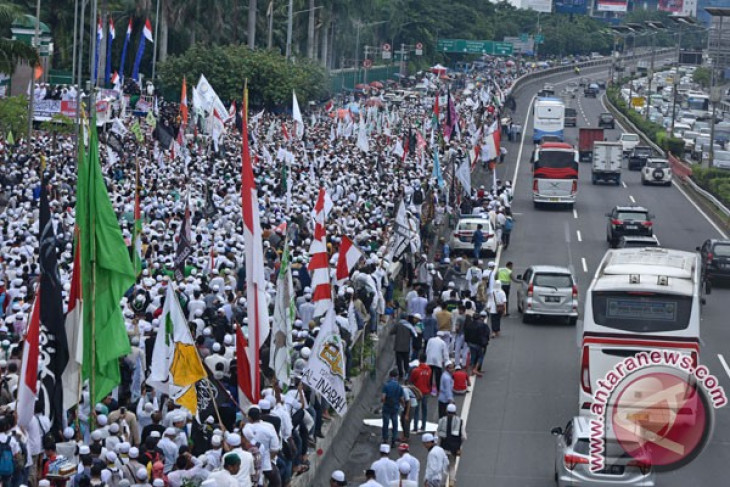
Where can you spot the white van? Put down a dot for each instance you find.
(639, 299)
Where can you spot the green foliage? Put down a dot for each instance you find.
(714, 180)
(14, 115)
(270, 78)
(702, 76)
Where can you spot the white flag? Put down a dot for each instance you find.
(362, 138)
(296, 115)
(325, 372)
(463, 173)
(284, 314)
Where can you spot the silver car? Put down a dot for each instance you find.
(572, 460)
(545, 290)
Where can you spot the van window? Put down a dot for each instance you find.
(641, 312)
(721, 250)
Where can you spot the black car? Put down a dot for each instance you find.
(628, 220)
(601, 84)
(606, 121)
(639, 156)
(715, 259)
(571, 117)
(590, 92)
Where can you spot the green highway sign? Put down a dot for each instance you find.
(524, 37)
(539, 38)
(463, 46)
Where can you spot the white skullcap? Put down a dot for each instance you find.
(338, 476)
(404, 467)
(102, 420)
(68, 433)
(234, 439)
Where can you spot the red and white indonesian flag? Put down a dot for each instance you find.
(492, 144)
(258, 315)
(319, 262)
(28, 384)
(147, 31)
(74, 338)
(348, 257)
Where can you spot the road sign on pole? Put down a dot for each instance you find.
(385, 51)
(419, 49)
(367, 63)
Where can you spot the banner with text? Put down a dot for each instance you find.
(613, 5)
(571, 7)
(545, 6)
(673, 6)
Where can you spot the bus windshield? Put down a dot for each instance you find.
(641, 312)
(556, 165)
(702, 104)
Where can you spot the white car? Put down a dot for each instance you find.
(656, 171)
(628, 141)
(461, 237)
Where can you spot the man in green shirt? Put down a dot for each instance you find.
(504, 275)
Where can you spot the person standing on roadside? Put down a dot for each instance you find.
(404, 332)
(504, 276)
(476, 335)
(392, 400)
(421, 378)
(437, 354)
(496, 307)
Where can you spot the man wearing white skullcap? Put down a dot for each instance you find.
(247, 467)
(386, 470)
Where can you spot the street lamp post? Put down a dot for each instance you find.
(656, 27)
(290, 24)
(359, 25)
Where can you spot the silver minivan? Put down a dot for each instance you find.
(546, 290)
(572, 460)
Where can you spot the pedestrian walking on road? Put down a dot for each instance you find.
(437, 354)
(370, 479)
(404, 452)
(504, 276)
(509, 224)
(477, 239)
(404, 332)
(446, 388)
(386, 470)
(392, 400)
(437, 463)
(404, 468)
(451, 434)
(476, 335)
(338, 479)
(497, 307)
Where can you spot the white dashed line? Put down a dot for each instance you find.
(724, 364)
(580, 237)
(585, 264)
(632, 199)
(575, 213)
(623, 183)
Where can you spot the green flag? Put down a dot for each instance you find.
(107, 273)
(137, 131)
(9, 139)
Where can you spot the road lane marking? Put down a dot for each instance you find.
(580, 237)
(724, 364)
(522, 144)
(623, 183)
(585, 264)
(684, 193)
(632, 199)
(575, 213)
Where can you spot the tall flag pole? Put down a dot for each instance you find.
(319, 261)
(284, 314)
(137, 240)
(74, 335)
(112, 36)
(184, 104)
(51, 316)
(258, 315)
(107, 274)
(99, 37)
(124, 48)
(146, 36)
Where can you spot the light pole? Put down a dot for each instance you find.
(359, 25)
(656, 27)
(290, 23)
(721, 12)
(37, 46)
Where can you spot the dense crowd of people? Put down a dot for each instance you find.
(440, 332)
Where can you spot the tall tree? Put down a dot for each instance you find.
(13, 51)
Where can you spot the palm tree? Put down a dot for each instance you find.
(13, 51)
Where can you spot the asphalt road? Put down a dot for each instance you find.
(531, 380)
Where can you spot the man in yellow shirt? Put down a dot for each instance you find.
(504, 275)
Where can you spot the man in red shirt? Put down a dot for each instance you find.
(421, 378)
(461, 380)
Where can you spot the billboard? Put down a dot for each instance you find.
(538, 5)
(673, 6)
(571, 6)
(612, 5)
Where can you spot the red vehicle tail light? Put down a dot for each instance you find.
(571, 460)
(585, 376)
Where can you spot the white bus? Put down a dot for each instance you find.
(548, 118)
(640, 299)
(699, 105)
